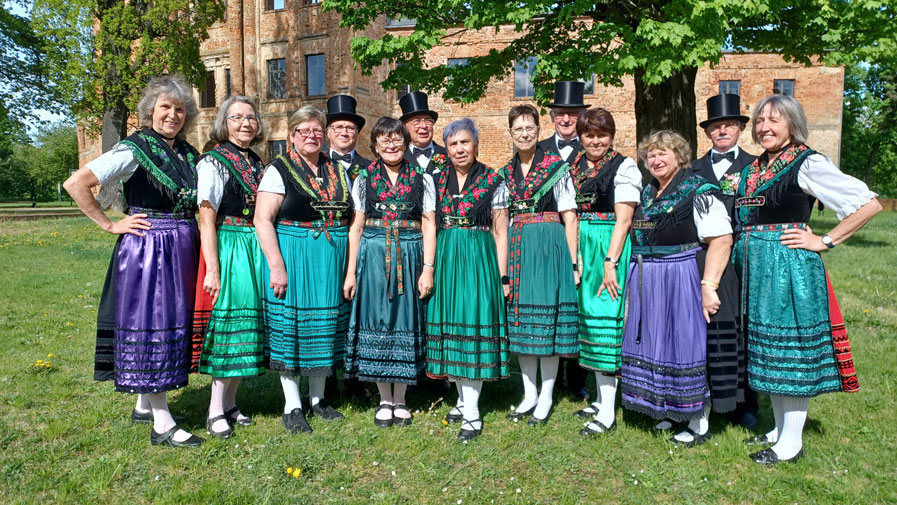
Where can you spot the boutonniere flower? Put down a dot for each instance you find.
(729, 183)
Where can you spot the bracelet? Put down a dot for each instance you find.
(713, 285)
(505, 280)
(431, 265)
(608, 259)
(575, 267)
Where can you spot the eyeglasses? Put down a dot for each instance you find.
(240, 119)
(389, 142)
(520, 130)
(729, 125)
(309, 132)
(344, 129)
(422, 122)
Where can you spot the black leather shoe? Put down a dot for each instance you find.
(587, 412)
(758, 440)
(141, 418)
(167, 438)
(695, 438)
(518, 416)
(769, 457)
(469, 434)
(295, 421)
(535, 421)
(383, 423)
(454, 418)
(323, 410)
(401, 421)
(595, 428)
(227, 433)
(233, 415)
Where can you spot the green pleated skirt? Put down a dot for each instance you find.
(234, 345)
(600, 318)
(785, 301)
(386, 331)
(542, 315)
(306, 331)
(467, 335)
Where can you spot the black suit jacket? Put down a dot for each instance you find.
(437, 149)
(550, 146)
(704, 166)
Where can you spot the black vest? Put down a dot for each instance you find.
(374, 208)
(235, 198)
(601, 186)
(677, 226)
(548, 203)
(297, 203)
(481, 213)
(784, 200)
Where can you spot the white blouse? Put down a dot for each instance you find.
(272, 182)
(359, 193)
(211, 176)
(820, 178)
(565, 193)
(116, 164)
(716, 222)
(628, 182)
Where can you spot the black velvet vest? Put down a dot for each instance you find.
(409, 209)
(600, 187)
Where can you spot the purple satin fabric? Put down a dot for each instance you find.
(156, 282)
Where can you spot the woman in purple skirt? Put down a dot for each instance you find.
(144, 319)
(664, 372)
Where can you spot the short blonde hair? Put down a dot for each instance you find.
(219, 129)
(667, 140)
(304, 114)
(789, 108)
(174, 87)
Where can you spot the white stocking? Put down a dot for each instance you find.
(293, 400)
(316, 388)
(549, 374)
(795, 415)
(607, 396)
(529, 368)
(471, 409)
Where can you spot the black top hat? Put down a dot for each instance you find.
(416, 103)
(568, 94)
(725, 106)
(343, 107)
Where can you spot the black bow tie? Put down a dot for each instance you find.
(567, 143)
(717, 157)
(416, 151)
(341, 157)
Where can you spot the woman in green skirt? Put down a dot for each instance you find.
(467, 339)
(231, 280)
(395, 226)
(608, 187)
(303, 231)
(542, 264)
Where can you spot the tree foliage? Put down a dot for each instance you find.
(32, 171)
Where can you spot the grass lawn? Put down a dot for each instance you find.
(67, 439)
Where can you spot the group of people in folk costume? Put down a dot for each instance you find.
(689, 293)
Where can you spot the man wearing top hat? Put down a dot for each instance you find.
(419, 121)
(722, 165)
(564, 113)
(343, 126)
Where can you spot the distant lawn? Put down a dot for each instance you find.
(67, 439)
(66, 202)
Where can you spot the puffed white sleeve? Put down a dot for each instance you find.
(359, 193)
(429, 194)
(628, 182)
(211, 176)
(713, 223)
(272, 182)
(565, 193)
(500, 197)
(836, 190)
(117, 163)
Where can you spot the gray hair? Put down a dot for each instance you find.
(175, 88)
(304, 114)
(789, 108)
(219, 129)
(465, 124)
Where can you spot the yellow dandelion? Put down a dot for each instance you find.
(444, 422)
(46, 314)
(80, 296)
(296, 473)
(47, 365)
(39, 361)
(289, 470)
(70, 324)
(50, 355)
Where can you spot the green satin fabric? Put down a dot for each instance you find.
(600, 317)
(466, 321)
(234, 343)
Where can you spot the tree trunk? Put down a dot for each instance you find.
(669, 105)
(870, 161)
(115, 128)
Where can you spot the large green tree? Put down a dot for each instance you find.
(660, 43)
(102, 52)
(32, 171)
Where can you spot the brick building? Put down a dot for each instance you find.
(288, 53)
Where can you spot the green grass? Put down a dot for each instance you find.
(67, 439)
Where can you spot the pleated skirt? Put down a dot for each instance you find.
(664, 368)
(145, 316)
(542, 315)
(306, 331)
(467, 335)
(600, 317)
(386, 341)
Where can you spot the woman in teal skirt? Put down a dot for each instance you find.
(797, 345)
(542, 269)
(395, 226)
(301, 223)
(230, 276)
(608, 188)
(467, 339)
